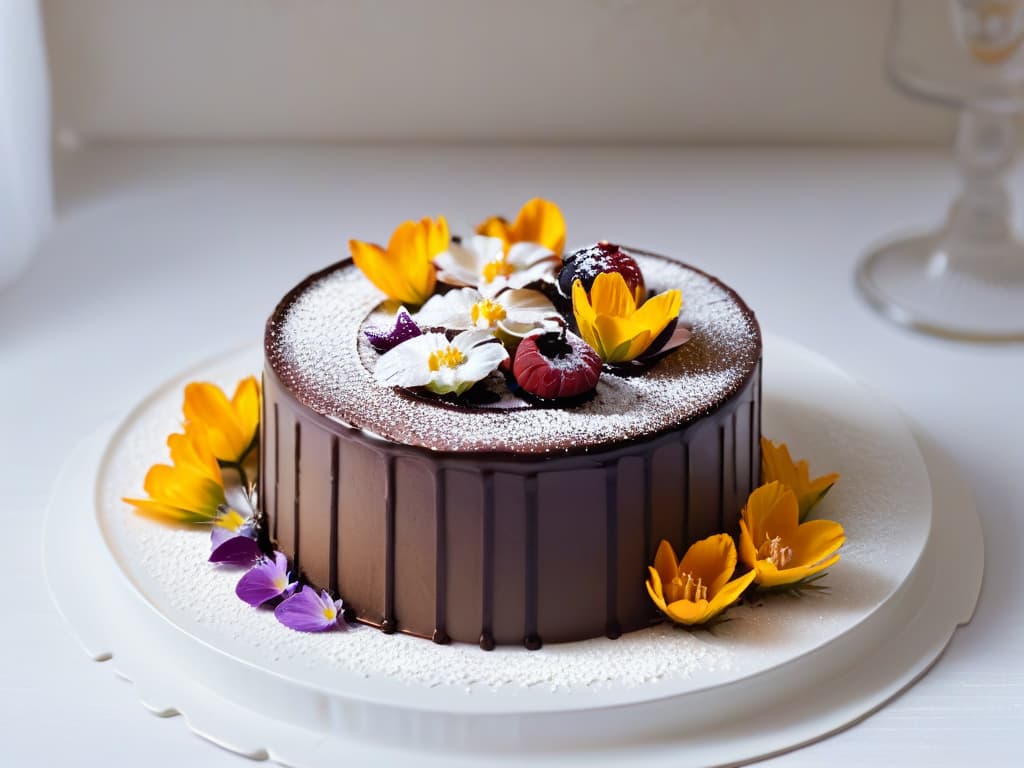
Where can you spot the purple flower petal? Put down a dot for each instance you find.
(265, 581)
(236, 550)
(384, 339)
(306, 611)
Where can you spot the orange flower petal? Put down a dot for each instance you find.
(730, 593)
(712, 560)
(610, 296)
(496, 226)
(816, 540)
(654, 588)
(540, 221)
(665, 562)
(658, 311)
(769, 576)
(748, 552)
(777, 464)
(771, 510)
(689, 612)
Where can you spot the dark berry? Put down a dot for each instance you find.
(587, 263)
(554, 366)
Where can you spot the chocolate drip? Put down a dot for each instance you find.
(261, 494)
(333, 544)
(611, 493)
(298, 486)
(531, 640)
(685, 492)
(757, 438)
(487, 564)
(440, 634)
(388, 623)
(648, 508)
(277, 466)
(721, 478)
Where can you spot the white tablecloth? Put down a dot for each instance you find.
(163, 256)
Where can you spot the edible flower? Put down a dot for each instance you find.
(268, 579)
(404, 272)
(440, 365)
(233, 538)
(776, 464)
(483, 263)
(384, 339)
(190, 489)
(515, 312)
(230, 425)
(539, 221)
(306, 611)
(610, 321)
(698, 588)
(780, 549)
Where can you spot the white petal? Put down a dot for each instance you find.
(524, 300)
(466, 341)
(452, 310)
(444, 379)
(524, 255)
(486, 249)
(540, 271)
(406, 365)
(457, 266)
(481, 362)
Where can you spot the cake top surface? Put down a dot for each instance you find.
(315, 345)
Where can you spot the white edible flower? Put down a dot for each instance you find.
(440, 365)
(481, 262)
(516, 312)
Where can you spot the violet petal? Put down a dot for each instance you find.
(306, 611)
(265, 581)
(384, 339)
(237, 550)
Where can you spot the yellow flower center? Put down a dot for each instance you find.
(497, 268)
(774, 550)
(488, 311)
(449, 357)
(329, 613)
(685, 587)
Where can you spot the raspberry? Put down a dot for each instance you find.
(555, 366)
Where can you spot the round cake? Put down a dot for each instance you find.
(498, 520)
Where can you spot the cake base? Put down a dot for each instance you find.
(261, 690)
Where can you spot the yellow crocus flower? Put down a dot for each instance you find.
(405, 271)
(610, 321)
(776, 464)
(696, 589)
(230, 425)
(777, 546)
(191, 489)
(539, 221)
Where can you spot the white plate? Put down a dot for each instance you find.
(777, 675)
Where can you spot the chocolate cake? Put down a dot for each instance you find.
(493, 519)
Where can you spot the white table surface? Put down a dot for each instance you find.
(163, 256)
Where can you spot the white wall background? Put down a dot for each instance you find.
(471, 70)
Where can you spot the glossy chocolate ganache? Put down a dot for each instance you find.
(502, 522)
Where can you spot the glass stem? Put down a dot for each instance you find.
(978, 225)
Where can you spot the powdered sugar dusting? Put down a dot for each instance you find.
(314, 345)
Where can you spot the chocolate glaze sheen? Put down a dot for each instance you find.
(496, 527)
